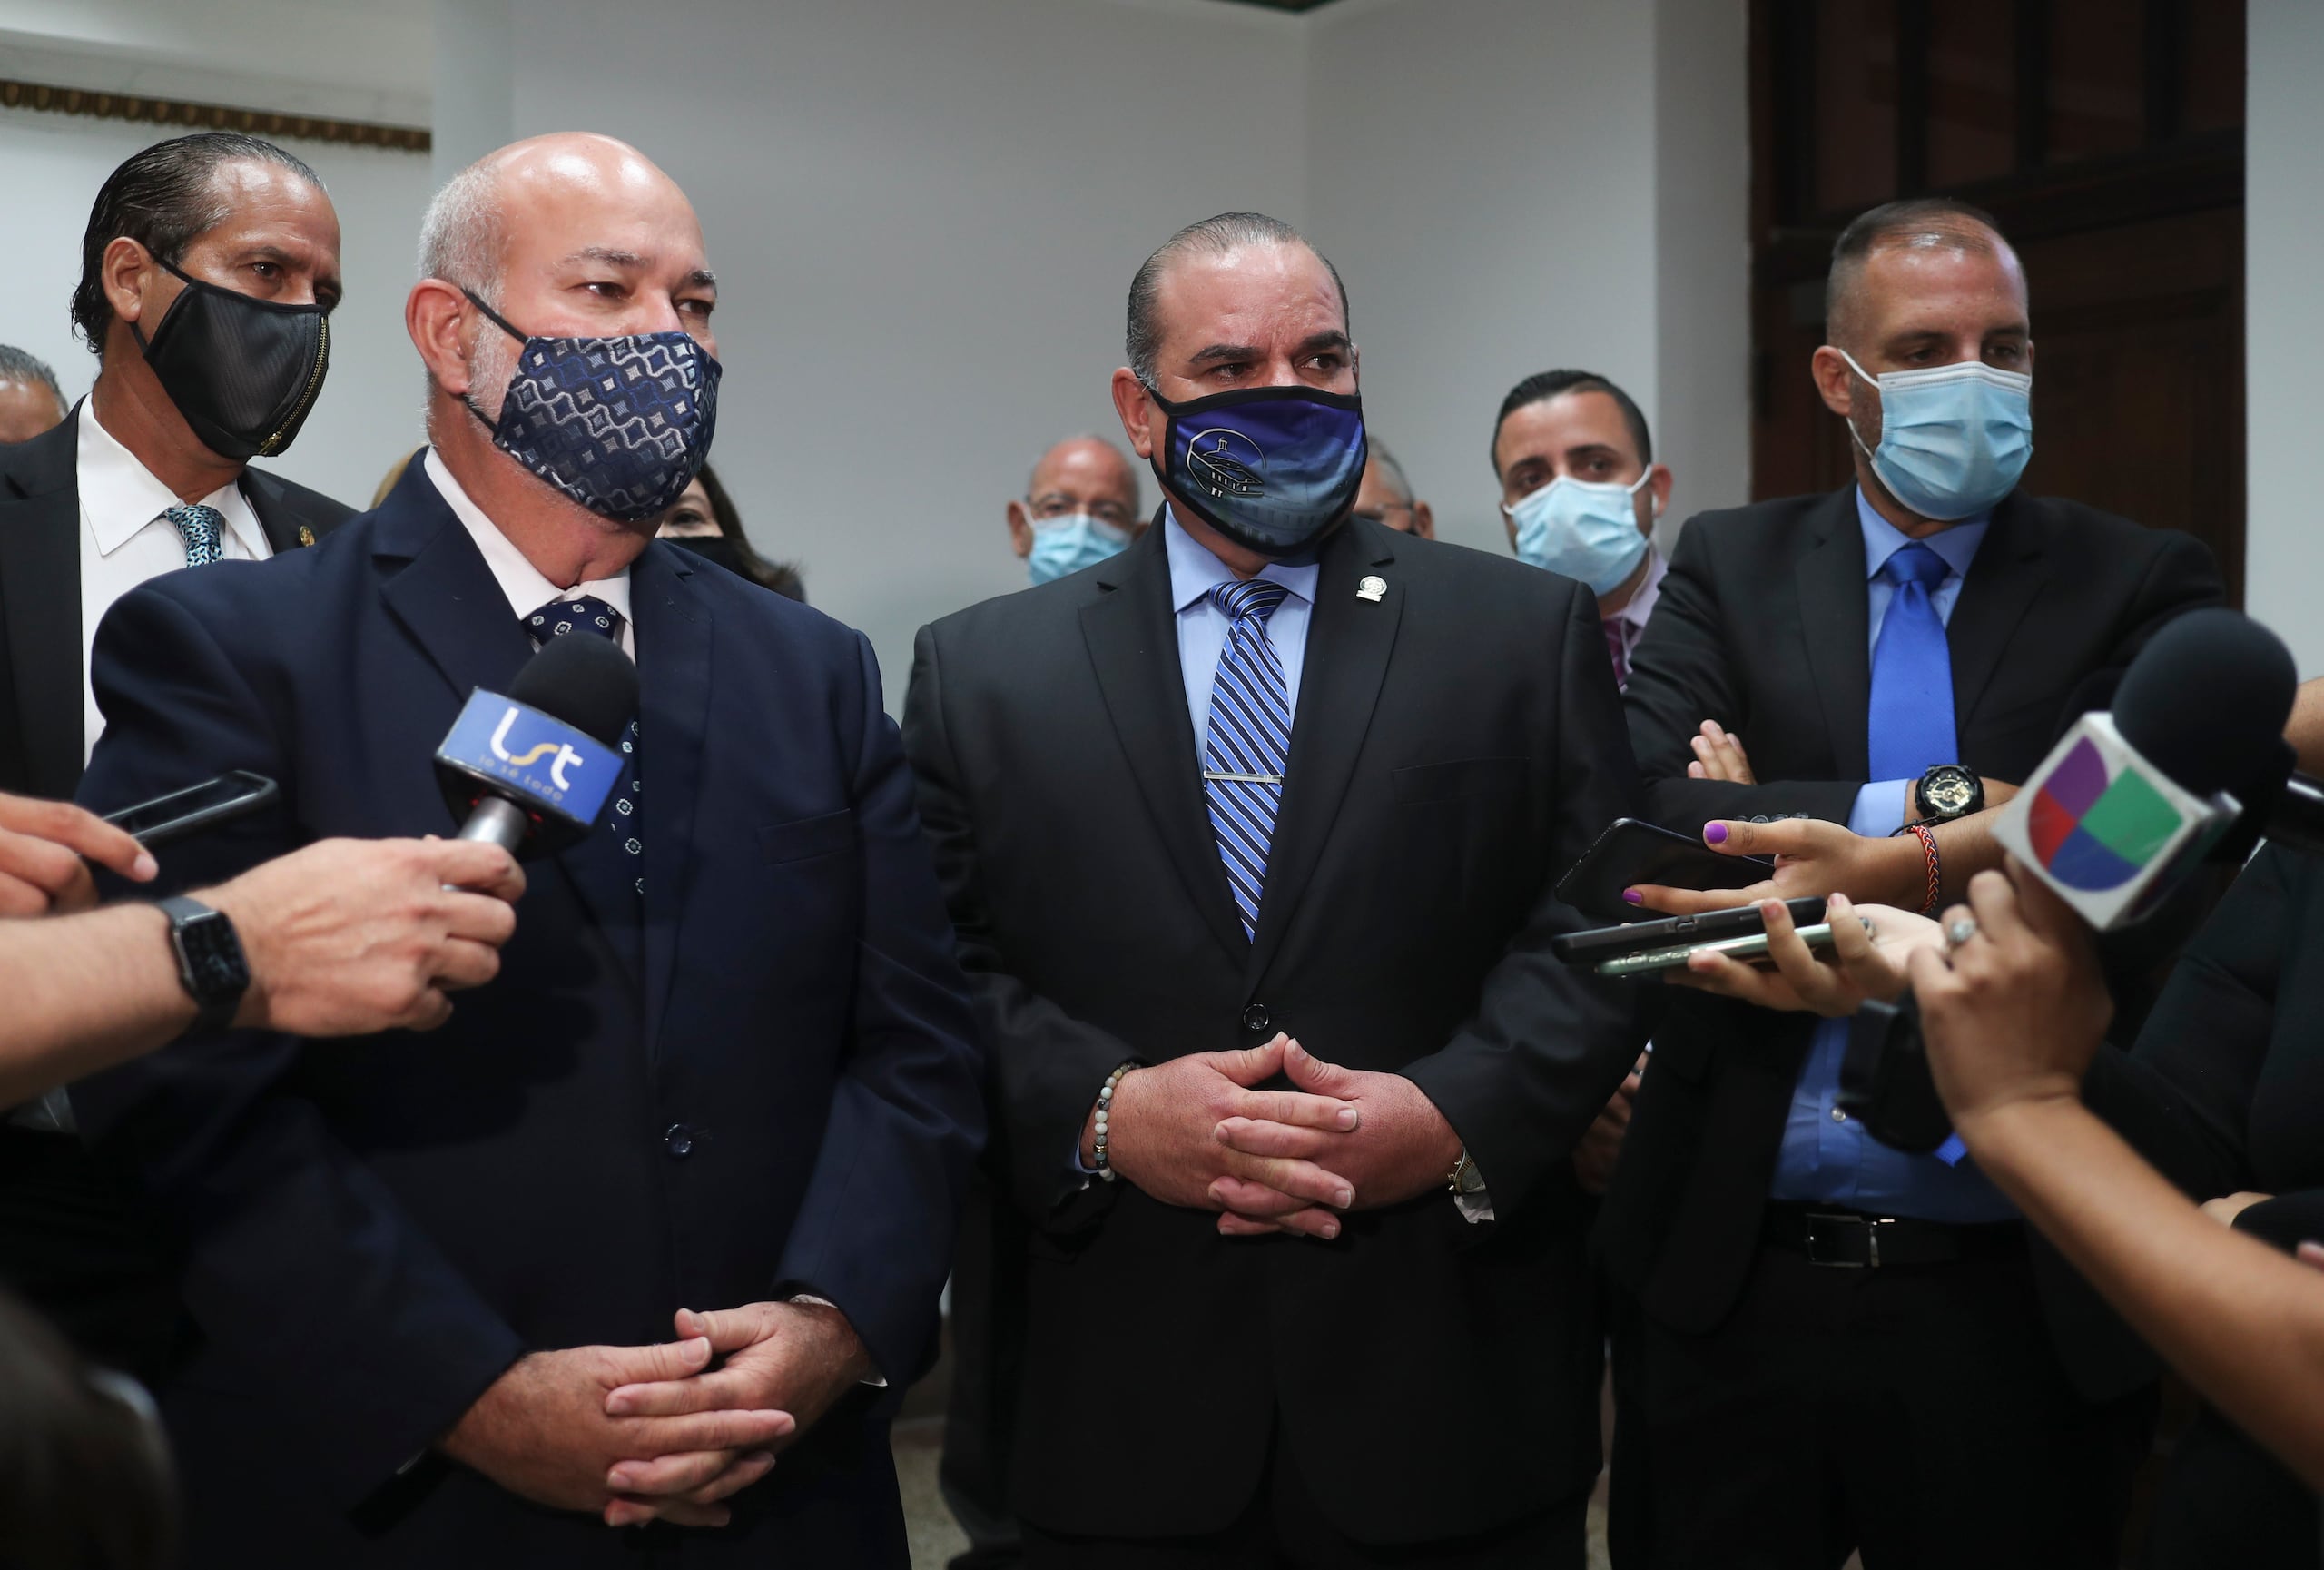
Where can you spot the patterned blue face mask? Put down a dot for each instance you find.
(1273, 468)
(620, 425)
(1063, 545)
(1953, 439)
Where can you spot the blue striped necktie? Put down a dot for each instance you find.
(1250, 735)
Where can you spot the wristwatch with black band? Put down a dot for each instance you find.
(1947, 792)
(210, 960)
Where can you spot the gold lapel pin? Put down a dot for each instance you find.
(1372, 589)
(306, 535)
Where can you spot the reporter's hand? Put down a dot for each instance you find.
(1163, 1136)
(1812, 857)
(2015, 1013)
(1602, 1142)
(542, 1430)
(1400, 1145)
(795, 1357)
(42, 843)
(1858, 966)
(1719, 755)
(348, 937)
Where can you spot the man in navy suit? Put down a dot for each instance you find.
(728, 1063)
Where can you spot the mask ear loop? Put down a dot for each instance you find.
(501, 322)
(1872, 381)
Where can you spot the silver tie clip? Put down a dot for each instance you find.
(1274, 779)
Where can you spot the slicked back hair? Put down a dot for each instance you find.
(1227, 232)
(165, 198)
(1544, 385)
(31, 371)
(1935, 222)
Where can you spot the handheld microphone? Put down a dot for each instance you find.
(2124, 807)
(532, 771)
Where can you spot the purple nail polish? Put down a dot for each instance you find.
(1715, 833)
(1633, 896)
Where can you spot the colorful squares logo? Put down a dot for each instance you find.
(2093, 830)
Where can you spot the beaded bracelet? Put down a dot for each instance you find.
(1936, 865)
(1105, 1112)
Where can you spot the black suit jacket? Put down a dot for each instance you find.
(1457, 744)
(41, 744)
(759, 1078)
(1762, 625)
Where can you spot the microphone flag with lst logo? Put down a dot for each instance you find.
(559, 776)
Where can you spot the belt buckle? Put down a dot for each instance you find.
(1817, 1220)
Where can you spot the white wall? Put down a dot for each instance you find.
(370, 409)
(2283, 216)
(1512, 186)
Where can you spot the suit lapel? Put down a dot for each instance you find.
(674, 631)
(1131, 634)
(2000, 588)
(1348, 643)
(286, 526)
(40, 594)
(438, 587)
(1833, 620)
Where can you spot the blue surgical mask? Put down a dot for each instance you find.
(620, 425)
(1273, 468)
(1582, 530)
(1063, 545)
(1953, 439)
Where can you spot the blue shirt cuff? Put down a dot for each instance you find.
(1880, 809)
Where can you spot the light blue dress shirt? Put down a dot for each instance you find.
(1826, 1157)
(1203, 627)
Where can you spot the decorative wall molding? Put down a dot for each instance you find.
(178, 113)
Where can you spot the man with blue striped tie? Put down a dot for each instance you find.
(1249, 833)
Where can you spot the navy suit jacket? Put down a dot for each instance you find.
(769, 1087)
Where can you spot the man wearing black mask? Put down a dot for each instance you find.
(1249, 833)
(208, 273)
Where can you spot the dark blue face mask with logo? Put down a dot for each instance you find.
(1273, 468)
(620, 425)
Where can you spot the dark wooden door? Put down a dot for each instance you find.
(2106, 136)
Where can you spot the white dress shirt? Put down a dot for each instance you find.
(126, 540)
(520, 579)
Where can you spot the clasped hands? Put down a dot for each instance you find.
(1195, 1131)
(667, 1431)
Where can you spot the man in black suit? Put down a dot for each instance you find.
(726, 1079)
(1273, 793)
(209, 267)
(1843, 1348)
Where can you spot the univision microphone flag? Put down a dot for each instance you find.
(2102, 827)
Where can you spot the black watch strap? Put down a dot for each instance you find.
(211, 964)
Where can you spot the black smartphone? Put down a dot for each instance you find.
(158, 821)
(1632, 852)
(1587, 948)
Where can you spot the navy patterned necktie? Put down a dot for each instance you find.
(588, 614)
(1250, 736)
(203, 530)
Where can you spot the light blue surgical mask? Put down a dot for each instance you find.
(1953, 439)
(1068, 544)
(1582, 530)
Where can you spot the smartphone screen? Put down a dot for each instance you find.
(181, 813)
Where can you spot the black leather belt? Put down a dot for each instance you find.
(1853, 1240)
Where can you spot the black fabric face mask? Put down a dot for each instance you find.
(244, 372)
(714, 548)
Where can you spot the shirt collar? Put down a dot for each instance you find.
(119, 494)
(527, 590)
(1957, 546)
(1649, 589)
(1195, 571)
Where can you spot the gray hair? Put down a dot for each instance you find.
(16, 365)
(460, 238)
(1392, 469)
(1227, 232)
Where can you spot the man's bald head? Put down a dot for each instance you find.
(1081, 474)
(464, 238)
(1921, 225)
